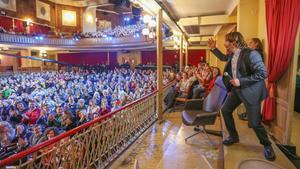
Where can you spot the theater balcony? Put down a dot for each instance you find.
(11, 41)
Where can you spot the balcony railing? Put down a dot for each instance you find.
(85, 42)
(95, 144)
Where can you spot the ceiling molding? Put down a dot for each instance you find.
(219, 27)
(232, 7)
(199, 35)
(208, 20)
(199, 39)
(108, 11)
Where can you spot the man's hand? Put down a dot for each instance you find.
(235, 82)
(211, 43)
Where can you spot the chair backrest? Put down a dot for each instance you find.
(214, 101)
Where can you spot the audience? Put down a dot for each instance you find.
(117, 32)
(34, 107)
(194, 82)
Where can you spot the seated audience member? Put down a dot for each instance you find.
(8, 141)
(216, 72)
(82, 118)
(37, 136)
(92, 108)
(21, 108)
(173, 93)
(68, 122)
(52, 121)
(14, 117)
(184, 84)
(51, 99)
(32, 114)
(50, 132)
(104, 108)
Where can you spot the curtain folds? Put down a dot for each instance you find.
(282, 25)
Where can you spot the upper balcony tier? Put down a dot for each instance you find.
(20, 41)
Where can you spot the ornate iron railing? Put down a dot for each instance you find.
(95, 144)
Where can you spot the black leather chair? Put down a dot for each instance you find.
(199, 112)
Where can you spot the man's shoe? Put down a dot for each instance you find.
(269, 153)
(229, 141)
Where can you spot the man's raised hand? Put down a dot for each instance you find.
(211, 43)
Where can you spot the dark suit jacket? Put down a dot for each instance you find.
(251, 73)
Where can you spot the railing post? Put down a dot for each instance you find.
(181, 54)
(187, 53)
(159, 57)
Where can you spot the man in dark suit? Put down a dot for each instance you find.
(245, 83)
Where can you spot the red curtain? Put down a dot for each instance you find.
(282, 25)
(19, 26)
(195, 56)
(39, 29)
(91, 58)
(113, 60)
(171, 57)
(6, 23)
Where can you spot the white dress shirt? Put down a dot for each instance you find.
(234, 63)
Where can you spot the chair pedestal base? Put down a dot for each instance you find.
(206, 132)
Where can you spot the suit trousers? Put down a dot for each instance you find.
(254, 117)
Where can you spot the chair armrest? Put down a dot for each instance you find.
(193, 104)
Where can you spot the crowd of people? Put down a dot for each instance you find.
(35, 107)
(117, 32)
(194, 82)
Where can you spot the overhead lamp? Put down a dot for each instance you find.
(5, 48)
(28, 20)
(176, 46)
(151, 35)
(145, 31)
(175, 38)
(146, 18)
(152, 23)
(137, 35)
(43, 52)
(89, 18)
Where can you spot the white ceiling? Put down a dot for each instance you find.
(180, 9)
(190, 8)
(207, 30)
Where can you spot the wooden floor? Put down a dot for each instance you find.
(163, 147)
(249, 147)
(295, 132)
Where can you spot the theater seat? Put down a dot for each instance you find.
(199, 112)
